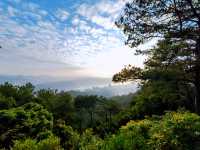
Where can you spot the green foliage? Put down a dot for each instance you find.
(8, 90)
(88, 104)
(6, 103)
(25, 121)
(176, 56)
(51, 143)
(60, 104)
(27, 144)
(143, 20)
(30, 126)
(95, 112)
(44, 134)
(68, 137)
(88, 141)
(175, 130)
(156, 97)
(21, 94)
(63, 107)
(131, 136)
(25, 94)
(166, 80)
(107, 109)
(47, 98)
(128, 73)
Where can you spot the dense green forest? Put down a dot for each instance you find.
(162, 115)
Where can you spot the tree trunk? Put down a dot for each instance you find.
(197, 77)
(197, 100)
(197, 91)
(91, 119)
(107, 123)
(80, 126)
(81, 121)
(110, 119)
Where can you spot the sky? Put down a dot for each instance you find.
(63, 38)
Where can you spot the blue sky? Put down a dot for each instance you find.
(62, 38)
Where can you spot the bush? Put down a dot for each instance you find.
(68, 137)
(26, 121)
(27, 144)
(51, 143)
(88, 141)
(176, 130)
(132, 136)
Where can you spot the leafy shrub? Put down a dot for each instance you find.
(88, 141)
(132, 136)
(176, 130)
(27, 144)
(51, 143)
(25, 121)
(68, 137)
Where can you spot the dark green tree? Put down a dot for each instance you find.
(47, 98)
(8, 90)
(110, 108)
(6, 103)
(63, 107)
(177, 24)
(166, 80)
(25, 94)
(22, 94)
(68, 137)
(87, 103)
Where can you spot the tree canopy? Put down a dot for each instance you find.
(176, 57)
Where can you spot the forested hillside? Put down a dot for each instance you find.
(162, 115)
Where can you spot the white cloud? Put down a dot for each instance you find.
(41, 46)
(102, 13)
(86, 10)
(110, 7)
(75, 21)
(62, 14)
(106, 22)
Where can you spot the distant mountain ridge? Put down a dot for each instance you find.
(20, 79)
(75, 84)
(55, 82)
(108, 91)
(78, 86)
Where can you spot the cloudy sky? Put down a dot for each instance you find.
(62, 38)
